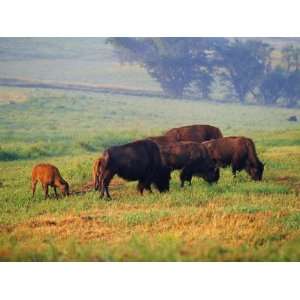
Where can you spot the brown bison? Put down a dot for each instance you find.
(194, 133)
(139, 160)
(48, 175)
(96, 168)
(237, 152)
(192, 158)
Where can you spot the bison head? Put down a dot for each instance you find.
(209, 170)
(65, 190)
(256, 171)
(212, 175)
(162, 179)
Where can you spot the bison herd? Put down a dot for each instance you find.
(196, 150)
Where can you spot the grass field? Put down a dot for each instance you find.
(235, 220)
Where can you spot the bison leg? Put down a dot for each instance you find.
(97, 183)
(140, 187)
(55, 192)
(185, 175)
(234, 172)
(33, 187)
(235, 166)
(143, 186)
(238, 163)
(106, 179)
(107, 192)
(46, 190)
(147, 184)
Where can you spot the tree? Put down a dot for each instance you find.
(287, 56)
(245, 63)
(203, 81)
(273, 85)
(292, 88)
(291, 57)
(176, 63)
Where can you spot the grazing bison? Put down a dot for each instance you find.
(239, 152)
(96, 168)
(139, 160)
(194, 133)
(193, 158)
(48, 175)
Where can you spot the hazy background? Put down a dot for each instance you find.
(84, 60)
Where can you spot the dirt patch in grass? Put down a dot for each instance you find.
(89, 186)
(284, 179)
(289, 181)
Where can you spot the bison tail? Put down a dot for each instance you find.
(101, 167)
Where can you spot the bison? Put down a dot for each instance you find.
(48, 175)
(237, 152)
(137, 161)
(194, 133)
(192, 158)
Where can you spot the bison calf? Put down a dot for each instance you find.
(193, 158)
(48, 175)
(237, 152)
(137, 161)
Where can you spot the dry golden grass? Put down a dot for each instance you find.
(115, 227)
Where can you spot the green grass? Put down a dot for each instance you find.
(234, 220)
(52, 123)
(292, 221)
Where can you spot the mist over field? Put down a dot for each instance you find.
(65, 100)
(77, 60)
(84, 60)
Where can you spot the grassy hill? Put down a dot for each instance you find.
(58, 122)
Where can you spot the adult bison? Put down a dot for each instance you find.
(139, 160)
(194, 133)
(192, 158)
(237, 152)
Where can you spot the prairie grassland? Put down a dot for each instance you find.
(234, 220)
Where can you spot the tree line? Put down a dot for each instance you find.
(249, 70)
